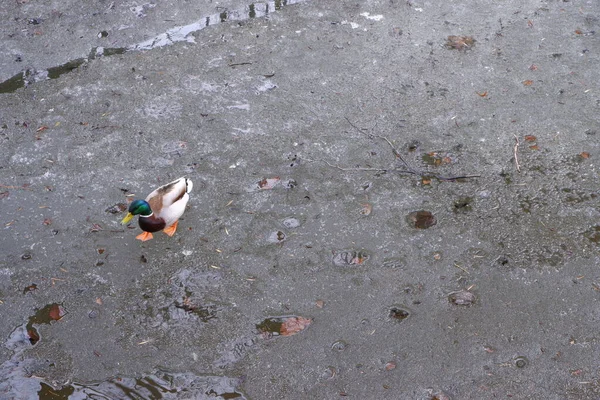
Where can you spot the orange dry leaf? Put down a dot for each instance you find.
(426, 181)
(293, 325)
(585, 154)
(55, 312)
(530, 138)
(359, 258)
(528, 82)
(534, 147)
(578, 31)
(41, 128)
(482, 94)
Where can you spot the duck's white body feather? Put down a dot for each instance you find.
(168, 201)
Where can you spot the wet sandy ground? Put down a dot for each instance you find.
(391, 200)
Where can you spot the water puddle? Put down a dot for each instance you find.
(52, 312)
(18, 378)
(174, 35)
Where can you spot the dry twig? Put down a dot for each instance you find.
(515, 153)
(409, 169)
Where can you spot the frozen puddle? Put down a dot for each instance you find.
(177, 34)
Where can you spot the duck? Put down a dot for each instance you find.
(162, 208)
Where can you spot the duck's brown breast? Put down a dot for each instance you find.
(151, 224)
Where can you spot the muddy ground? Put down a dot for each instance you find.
(392, 200)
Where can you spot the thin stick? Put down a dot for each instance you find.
(410, 170)
(396, 170)
(396, 152)
(515, 153)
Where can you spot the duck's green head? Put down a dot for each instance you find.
(137, 207)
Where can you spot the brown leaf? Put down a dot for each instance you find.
(578, 31)
(482, 94)
(530, 138)
(426, 181)
(41, 128)
(421, 219)
(390, 366)
(47, 221)
(460, 42)
(533, 67)
(34, 337)
(56, 312)
(319, 303)
(294, 325)
(30, 288)
(528, 82)
(535, 147)
(585, 154)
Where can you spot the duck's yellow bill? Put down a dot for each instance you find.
(127, 218)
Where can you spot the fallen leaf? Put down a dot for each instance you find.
(530, 23)
(533, 67)
(528, 82)
(390, 366)
(578, 31)
(98, 300)
(534, 147)
(530, 138)
(426, 181)
(421, 219)
(41, 128)
(56, 312)
(96, 228)
(30, 288)
(47, 221)
(366, 209)
(319, 303)
(293, 325)
(34, 337)
(460, 42)
(482, 94)
(585, 154)
(268, 183)
(462, 298)
(359, 259)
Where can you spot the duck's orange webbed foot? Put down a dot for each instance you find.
(144, 236)
(170, 230)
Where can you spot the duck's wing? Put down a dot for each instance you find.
(168, 201)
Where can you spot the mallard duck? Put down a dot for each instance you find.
(162, 208)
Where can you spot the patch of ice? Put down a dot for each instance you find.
(367, 15)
